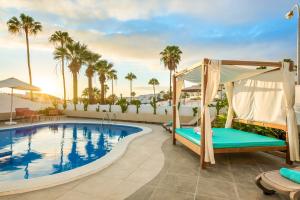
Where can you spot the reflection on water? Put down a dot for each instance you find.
(56, 148)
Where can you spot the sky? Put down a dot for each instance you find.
(132, 33)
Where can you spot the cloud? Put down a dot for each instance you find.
(225, 11)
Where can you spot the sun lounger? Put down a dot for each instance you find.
(31, 115)
(54, 114)
(20, 112)
(168, 125)
(272, 181)
(26, 113)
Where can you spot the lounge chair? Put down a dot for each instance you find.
(272, 182)
(31, 115)
(168, 125)
(20, 112)
(54, 114)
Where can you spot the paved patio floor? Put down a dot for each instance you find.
(231, 178)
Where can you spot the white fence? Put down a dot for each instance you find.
(184, 110)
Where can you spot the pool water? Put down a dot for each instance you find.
(49, 149)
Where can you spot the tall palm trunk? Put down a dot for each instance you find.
(102, 92)
(154, 90)
(75, 89)
(130, 89)
(28, 62)
(170, 91)
(112, 86)
(64, 79)
(91, 91)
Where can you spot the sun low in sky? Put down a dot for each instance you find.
(132, 33)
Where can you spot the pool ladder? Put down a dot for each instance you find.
(108, 118)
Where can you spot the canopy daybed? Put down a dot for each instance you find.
(263, 97)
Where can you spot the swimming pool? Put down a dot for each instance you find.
(50, 149)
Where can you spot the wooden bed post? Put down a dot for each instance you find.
(287, 156)
(174, 110)
(203, 91)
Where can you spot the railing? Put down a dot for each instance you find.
(107, 118)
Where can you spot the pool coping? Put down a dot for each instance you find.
(28, 185)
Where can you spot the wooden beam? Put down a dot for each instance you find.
(174, 110)
(195, 148)
(250, 149)
(251, 63)
(203, 91)
(263, 124)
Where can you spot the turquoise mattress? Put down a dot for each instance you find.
(232, 138)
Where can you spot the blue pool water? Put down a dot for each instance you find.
(50, 149)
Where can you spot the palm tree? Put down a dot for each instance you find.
(76, 53)
(153, 82)
(171, 57)
(61, 38)
(112, 75)
(92, 59)
(130, 76)
(106, 88)
(103, 67)
(85, 92)
(30, 27)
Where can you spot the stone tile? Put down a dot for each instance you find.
(179, 183)
(97, 187)
(73, 195)
(217, 173)
(115, 173)
(124, 190)
(213, 188)
(142, 175)
(143, 193)
(201, 197)
(162, 194)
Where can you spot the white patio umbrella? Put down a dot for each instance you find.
(14, 83)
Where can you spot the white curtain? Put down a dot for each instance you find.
(179, 86)
(213, 81)
(260, 98)
(229, 94)
(289, 93)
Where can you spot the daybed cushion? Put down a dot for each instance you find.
(232, 138)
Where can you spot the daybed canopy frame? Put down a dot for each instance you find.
(200, 150)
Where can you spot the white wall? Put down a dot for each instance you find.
(145, 108)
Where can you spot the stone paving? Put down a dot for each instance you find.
(231, 178)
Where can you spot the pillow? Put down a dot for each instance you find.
(292, 175)
(197, 130)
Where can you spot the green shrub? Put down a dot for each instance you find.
(123, 104)
(98, 109)
(153, 103)
(195, 111)
(137, 103)
(55, 103)
(64, 106)
(85, 104)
